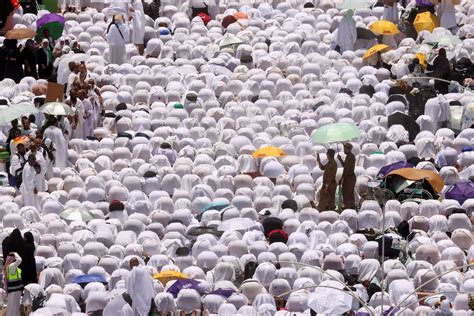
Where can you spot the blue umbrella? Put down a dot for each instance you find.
(180, 284)
(88, 278)
(394, 166)
(461, 191)
(218, 206)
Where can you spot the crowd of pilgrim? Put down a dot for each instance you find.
(165, 121)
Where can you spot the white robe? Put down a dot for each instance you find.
(138, 32)
(30, 181)
(88, 118)
(346, 34)
(117, 41)
(78, 132)
(391, 13)
(14, 298)
(57, 137)
(41, 183)
(447, 14)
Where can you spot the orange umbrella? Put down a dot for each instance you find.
(240, 16)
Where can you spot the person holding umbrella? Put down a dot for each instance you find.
(327, 195)
(348, 179)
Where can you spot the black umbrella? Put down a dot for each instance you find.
(406, 121)
(365, 34)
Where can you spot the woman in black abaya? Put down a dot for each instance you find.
(28, 264)
(13, 61)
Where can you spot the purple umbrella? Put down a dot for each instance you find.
(54, 23)
(394, 166)
(180, 284)
(49, 18)
(461, 191)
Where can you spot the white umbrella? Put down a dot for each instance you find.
(229, 40)
(236, 224)
(330, 299)
(57, 108)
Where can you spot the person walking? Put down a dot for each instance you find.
(28, 265)
(13, 283)
(118, 35)
(348, 179)
(327, 195)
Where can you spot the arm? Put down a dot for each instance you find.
(12, 267)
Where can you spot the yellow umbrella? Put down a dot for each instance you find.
(269, 151)
(384, 27)
(426, 21)
(382, 48)
(166, 276)
(422, 58)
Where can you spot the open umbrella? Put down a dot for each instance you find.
(329, 298)
(269, 151)
(234, 224)
(57, 108)
(461, 191)
(16, 111)
(19, 34)
(218, 206)
(336, 132)
(240, 16)
(76, 214)
(229, 40)
(426, 21)
(88, 278)
(443, 40)
(52, 22)
(379, 48)
(166, 276)
(353, 4)
(183, 284)
(394, 166)
(365, 34)
(408, 122)
(384, 27)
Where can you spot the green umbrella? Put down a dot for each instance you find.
(57, 108)
(76, 214)
(16, 111)
(336, 132)
(352, 4)
(229, 40)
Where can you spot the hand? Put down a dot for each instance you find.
(468, 81)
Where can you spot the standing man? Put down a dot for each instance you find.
(45, 60)
(118, 35)
(348, 180)
(31, 178)
(138, 31)
(327, 194)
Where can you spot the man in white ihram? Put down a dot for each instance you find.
(118, 35)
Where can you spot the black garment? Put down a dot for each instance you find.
(13, 62)
(153, 9)
(28, 264)
(44, 69)
(441, 70)
(17, 243)
(6, 247)
(2, 62)
(6, 7)
(28, 58)
(29, 6)
(271, 223)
